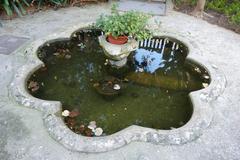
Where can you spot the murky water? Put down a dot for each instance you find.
(154, 85)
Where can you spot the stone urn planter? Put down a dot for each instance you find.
(117, 54)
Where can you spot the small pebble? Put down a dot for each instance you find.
(116, 87)
(65, 113)
(197, 70)
(68, 56)
(98, 131)
(205, 85)
(92, 125)
(206, 76)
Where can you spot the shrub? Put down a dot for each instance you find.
(131, 24)
(230, 8)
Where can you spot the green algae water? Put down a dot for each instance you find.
(155, 84)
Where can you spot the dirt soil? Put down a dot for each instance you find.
(212, 17)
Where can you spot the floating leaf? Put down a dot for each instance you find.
(65, 113)
(74, 113)
(33, 86)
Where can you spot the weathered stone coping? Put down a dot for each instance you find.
(51, 110)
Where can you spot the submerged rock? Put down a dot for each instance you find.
(33, 86)
(205, 85)
(92, 125)
(109, 86)
(74, 113)
(88, 132)
(98, 131)
(116, 87)
(65, 113)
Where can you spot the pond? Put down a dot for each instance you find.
(150, 91)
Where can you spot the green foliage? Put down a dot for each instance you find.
(18, 6)
(14, 5)
(188, 2)
(130, 23)
(230, 8)
(53, 2)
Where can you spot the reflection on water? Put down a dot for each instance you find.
(148, 61)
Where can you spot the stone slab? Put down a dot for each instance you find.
(154, 8)
(9, 43)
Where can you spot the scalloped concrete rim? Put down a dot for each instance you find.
(201, 99)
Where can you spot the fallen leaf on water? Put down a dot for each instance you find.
(88, 132)
(74, 113)
(116, 87)
(33, 86)
(81, 128)
(68, 56)
(70, 122)
(92, 125)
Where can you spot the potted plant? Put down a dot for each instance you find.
(119, 27)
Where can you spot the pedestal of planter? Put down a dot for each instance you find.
(117, 54)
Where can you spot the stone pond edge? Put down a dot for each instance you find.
(51, 110)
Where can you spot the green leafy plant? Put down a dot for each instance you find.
(14, 5)
(132, 23)
(229, 8)
(18, 6)
(52, 2)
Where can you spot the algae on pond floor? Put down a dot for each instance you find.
(154, 86)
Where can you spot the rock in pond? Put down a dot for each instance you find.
(109, 86)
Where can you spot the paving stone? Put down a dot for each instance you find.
(9, 43)
(154, 8)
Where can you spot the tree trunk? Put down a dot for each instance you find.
(198, 11)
